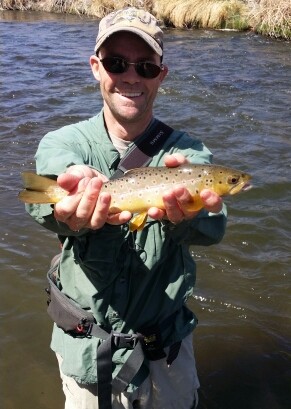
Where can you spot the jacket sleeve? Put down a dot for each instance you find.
(44, 215)
(204, 230)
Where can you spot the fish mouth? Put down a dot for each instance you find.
(247, 187)
(240, 187)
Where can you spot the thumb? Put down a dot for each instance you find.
(68, 181)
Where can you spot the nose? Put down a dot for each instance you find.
(130, 75)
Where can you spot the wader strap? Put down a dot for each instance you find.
(78, 322)
(141, 154)
(173, 352)
(127, 371)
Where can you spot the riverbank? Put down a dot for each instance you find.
(267, 17)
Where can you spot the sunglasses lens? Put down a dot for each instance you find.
(117, 65)
(114, 65)
(148, 70)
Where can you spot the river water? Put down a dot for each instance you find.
(231, 89)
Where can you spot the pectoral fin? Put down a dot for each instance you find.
(138, 221)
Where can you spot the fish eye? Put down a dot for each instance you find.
(232, 180)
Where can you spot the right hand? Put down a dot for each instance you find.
(177, 199)
(85, 206)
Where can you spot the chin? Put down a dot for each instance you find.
(130, 115)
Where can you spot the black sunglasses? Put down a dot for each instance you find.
(117, 65)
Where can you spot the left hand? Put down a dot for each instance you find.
(86, 206)
(177, 199)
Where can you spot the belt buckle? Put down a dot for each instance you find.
(125, 340)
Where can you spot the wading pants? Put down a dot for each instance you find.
(173, 387)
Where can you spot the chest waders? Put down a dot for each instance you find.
(146, 343)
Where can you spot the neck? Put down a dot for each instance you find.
(127, 130)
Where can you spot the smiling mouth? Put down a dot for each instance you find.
(130, 94)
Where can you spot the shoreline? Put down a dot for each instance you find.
(260, 16)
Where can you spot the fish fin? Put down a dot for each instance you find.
(40, 189)
(35, 197)
(32, 181)
(138, 221)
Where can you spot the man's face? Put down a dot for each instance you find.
(128, 97)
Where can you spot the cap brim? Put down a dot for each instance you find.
(146, 37)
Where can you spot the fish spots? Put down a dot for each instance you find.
(144, 187)
(208, 182)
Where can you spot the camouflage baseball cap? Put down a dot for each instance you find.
(135, 20)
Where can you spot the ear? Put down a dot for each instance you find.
(164, 73)
(94, 63)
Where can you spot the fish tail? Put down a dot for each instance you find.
(35, 197)
(39, 189)
(32, 181)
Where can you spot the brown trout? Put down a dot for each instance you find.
(139, 189)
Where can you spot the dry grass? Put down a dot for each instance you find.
(269, 17)
(197, 13)
(100, 8)
(97, 8)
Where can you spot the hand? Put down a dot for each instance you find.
(177, 200)
(85, 206)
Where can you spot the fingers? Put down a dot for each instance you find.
(75, 174)
(83, 171)
(119, 218)
(212, 202)
(77, 208)
(86, 206)
(93, 207)
(177, 202)
(100, 214)
(68, 181)
(156, 213)
(179, 205)
(174, 160)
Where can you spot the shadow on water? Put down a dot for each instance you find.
(231, 90)
(236, 373)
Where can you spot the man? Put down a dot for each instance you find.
(135, 284)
